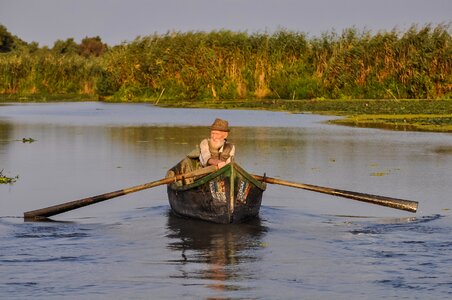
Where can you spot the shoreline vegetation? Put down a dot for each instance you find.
(405, 78)
(404, 115)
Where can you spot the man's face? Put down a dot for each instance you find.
(218, 136)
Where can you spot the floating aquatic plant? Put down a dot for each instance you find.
(28, 140)
(5, 179)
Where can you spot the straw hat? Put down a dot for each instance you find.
(220, 125)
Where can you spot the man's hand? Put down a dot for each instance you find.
(216, 162)
(221, 164)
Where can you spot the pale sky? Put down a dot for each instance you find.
(116, 21)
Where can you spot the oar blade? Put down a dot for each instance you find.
(401, 204)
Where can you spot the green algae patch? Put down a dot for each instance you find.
(379, 174)
(409, 115)
(414, 122)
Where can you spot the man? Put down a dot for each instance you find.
(216, 150)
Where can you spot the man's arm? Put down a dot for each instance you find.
(205, 152)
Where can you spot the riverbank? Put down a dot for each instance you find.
(412, 115)
(408, 115)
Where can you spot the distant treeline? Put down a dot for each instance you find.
(415, 64)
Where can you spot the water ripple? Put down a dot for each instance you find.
(413, 224)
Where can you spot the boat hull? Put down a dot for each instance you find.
(229, 195)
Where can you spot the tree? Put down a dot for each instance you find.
(92, 46)
(68, 46)
(6, 40)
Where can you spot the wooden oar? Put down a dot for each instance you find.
(44, 213)
(407, 205)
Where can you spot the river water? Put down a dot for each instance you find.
(304, 245)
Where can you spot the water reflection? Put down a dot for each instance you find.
(219, 248)
(176, 142)
(164, 141)
(5, 131)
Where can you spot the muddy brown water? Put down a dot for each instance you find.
(303, 245)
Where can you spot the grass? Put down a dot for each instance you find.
(46, 98)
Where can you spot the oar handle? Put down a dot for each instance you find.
(402, 204)
(64, 207)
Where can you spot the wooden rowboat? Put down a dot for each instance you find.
(229, 195)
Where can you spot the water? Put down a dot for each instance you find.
(304, 244)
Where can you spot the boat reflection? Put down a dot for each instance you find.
(219, 249)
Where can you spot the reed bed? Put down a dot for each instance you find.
(219, 65)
